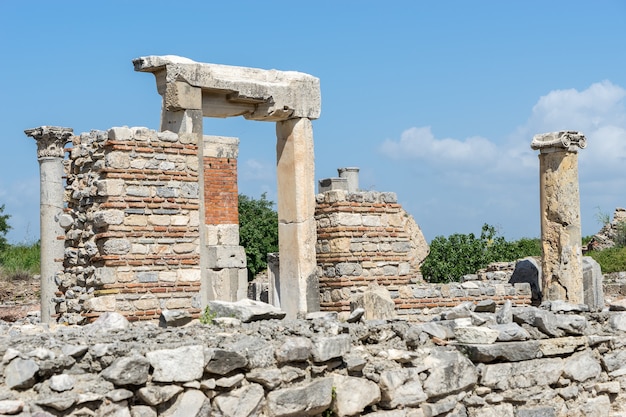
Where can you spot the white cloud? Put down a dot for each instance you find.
(420, 143)
(501, 177)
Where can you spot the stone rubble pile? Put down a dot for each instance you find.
(471, 360)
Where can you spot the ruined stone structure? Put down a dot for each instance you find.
(560, 214)
(51, 142)
(556, 361)
(366, 238)
(191, 91)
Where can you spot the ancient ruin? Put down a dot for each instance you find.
(560, 214)
(147, 229)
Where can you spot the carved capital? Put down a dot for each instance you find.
(51, 140)
(565, 139)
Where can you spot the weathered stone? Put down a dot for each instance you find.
(485, 306)
(438, 408)
(192, 403)
(256, 350)
(524, 374)
(59, 403)
(376, 302)
(581, 366)
(128, 370)
(327, 348)
(476, 335)
(182, 364)
(306, 400)
(245, 401)
(352, 395)
(142, 411)
(528, 270)
(60, 383)
(500, 410)
(246, 310)
(510, 332)
(107, 322)
(269, 378)
(223, 362)
(450, 372)
(561, 345)
(10, 407)
(401, 387)
(294, 349)
(617, 321)
(119, 394)
(504, 315)
(20, 373)
(158, 394)
(460, 311)
(174, 318)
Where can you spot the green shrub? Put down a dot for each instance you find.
(258, 231)
(18, 260)
(459, 254)
(4, 228)
(611, 259)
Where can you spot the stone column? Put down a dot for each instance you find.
(51, 141)
(299, 286)
(560, 215)
(351, 174)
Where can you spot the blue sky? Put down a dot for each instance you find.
(436, 101)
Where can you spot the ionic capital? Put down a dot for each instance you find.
(51, 140)
(565, 139)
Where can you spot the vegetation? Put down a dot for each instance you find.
(459, 254)
(4, 228)
(258, 231)
(611, 259)
(207, 316)
(16, 261)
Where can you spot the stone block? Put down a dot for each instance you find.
(592, 284)
(220, 147)
(138, 191)
(116, 247)
(332, 184)
(224, 256)
(110, 187)
(104, 275)
(146, 302)
(120, 133)
(101, 304)
(229, 284)
(179, 95)
(376, 302)
(108, 217)
(188, 274)
(118, 160)
(135, 220)
(222, 234)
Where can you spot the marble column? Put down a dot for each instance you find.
(560, 215)
(51, 141)
(298, 283)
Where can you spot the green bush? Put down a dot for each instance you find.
(611, 259)
(258, 231)
(4, 228)
(20, 260)
(459, 254)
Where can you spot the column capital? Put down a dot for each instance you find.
(562, 140)
(51, 140)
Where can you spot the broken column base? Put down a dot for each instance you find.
(227, 272)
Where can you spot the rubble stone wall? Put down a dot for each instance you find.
(132, 225)
(537, 362)
(366, 237)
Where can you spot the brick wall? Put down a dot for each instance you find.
(132, 225)
(220, 190)
(366, 237)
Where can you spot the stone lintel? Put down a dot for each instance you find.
(51, 140)
(256, 94)
(564, 140)
(220, 147)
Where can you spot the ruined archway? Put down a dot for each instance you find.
(191, 91)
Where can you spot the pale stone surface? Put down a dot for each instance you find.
(245, 310)
(245, 401)
(560, 215)
(401, 387)
(256, 94)
(223, 256)
(476, 335)
(220, 147)
(377, 303)
(101, 303)
(177, 365)
(158, 394)
(352, 395)
(529, 373)
(449, 372)
(20, 373)
(307, 400)
(297, 234)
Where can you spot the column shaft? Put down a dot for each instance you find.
(299, 286)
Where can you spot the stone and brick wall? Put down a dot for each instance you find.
(132, 225)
